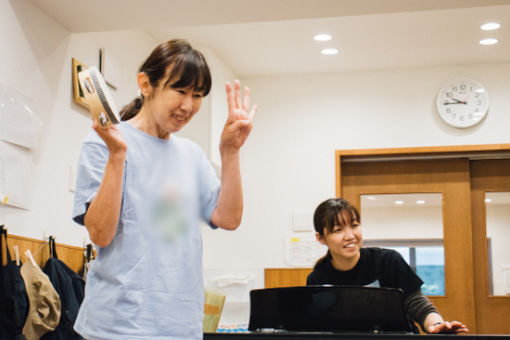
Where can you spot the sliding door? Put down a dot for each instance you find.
(445, 181)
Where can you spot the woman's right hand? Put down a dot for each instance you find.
(112, 137)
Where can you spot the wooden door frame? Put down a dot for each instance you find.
(484, 151)
(492, 310)
(407, 155)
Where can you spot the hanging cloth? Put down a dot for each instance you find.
(89, 256)
(44, 311)
(13, 296)
(70, 287)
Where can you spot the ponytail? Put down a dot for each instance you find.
(323, 259)
(131, 109)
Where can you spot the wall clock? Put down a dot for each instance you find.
(462, 102)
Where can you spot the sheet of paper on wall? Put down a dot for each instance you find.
(18, 122)
(15, 175)
(303, 250)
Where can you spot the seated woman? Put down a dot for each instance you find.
(337, 225)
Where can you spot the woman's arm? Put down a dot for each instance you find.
(102, 216)
(434, 323)
(229, 210)
(421, 310)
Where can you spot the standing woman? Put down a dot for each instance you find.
(141, 192)
(337, 225)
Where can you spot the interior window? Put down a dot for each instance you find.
(411, 224)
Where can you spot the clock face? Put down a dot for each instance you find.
(462, 102)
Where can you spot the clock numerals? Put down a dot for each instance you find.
(462, 102)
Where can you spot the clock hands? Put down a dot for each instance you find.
(455, 101)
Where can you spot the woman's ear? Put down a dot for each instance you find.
(320, 238)
(144, 84)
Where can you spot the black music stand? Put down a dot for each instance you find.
(328, 309)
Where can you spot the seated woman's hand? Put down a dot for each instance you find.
(448, 327)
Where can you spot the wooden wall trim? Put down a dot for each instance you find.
(72, 256)
(425, 150)
(482, 151)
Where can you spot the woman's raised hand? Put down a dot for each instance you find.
(240, 118)
(111, 136)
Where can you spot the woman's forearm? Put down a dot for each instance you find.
(102, 216)
(229, 210)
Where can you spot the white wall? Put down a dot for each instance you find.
(36, 60)
(288, 161)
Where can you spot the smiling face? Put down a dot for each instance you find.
(172, 82)
(172, 108)
(167, 107)
(343, 240)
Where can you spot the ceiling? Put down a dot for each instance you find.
(272, 37)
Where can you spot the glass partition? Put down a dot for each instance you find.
(498, 235)
(411, 224)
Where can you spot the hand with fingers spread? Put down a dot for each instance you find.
(448, 327)
(240, 118)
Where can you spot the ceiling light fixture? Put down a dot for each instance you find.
(490, 26)
(322, 37)
(370, 198)
(399, 202)
(489, 41)
(329, 51)
(420, 202)
(488, 200)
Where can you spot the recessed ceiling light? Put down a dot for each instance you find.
(322, 37)
(399, 202)
(329, 51)
(490, 26)
(420, 202)
(489, 41)
(488, 200)
(371, 198)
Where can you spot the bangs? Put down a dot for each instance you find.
(336, 217)
(190, 71)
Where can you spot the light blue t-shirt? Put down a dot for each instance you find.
(148, 284)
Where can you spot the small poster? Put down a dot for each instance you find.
(303, 250)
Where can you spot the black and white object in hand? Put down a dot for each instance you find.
(462, 102)
(101, 104)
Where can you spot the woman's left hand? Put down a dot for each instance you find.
(240, 118)
(448, 327)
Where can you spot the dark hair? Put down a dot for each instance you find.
(327, 215)
(188, 69)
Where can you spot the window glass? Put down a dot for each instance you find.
(411, 224)
(498, 234)
(430, 268)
